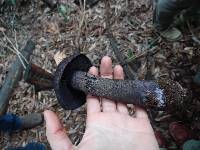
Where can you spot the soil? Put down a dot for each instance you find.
(86, 31)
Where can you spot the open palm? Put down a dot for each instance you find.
(109, 125)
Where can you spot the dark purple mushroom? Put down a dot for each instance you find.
(72, 83)
(68, 97)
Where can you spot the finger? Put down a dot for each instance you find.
(55, 132)
(93, 104)
(140, 113)
(106, 71)
(119, 74)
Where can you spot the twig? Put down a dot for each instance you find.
(15, 48)
(152, 50)
(14, 53)
(80, 25)
(5, 45)
(3, 23)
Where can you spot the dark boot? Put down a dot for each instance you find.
(30, 146)
(31, 120)
(171, 34)
(165, 12)
(12, 122)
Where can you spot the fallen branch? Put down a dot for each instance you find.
(14, 75)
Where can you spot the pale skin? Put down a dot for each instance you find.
(108, 126)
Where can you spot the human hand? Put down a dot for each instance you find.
(109, 125)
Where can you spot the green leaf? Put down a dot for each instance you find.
(130, 53)
(64, 11)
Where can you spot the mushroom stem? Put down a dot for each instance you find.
(135, 92)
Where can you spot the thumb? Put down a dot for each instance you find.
(56, 134)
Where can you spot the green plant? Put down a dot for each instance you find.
(64, 11)
(130, 54)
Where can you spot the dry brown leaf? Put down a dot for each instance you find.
(59, 56)
(52, 27)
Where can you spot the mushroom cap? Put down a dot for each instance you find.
(68, 97)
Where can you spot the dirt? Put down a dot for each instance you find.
(85, 30)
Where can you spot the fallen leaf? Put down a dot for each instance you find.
(59, 56)
(52, 28)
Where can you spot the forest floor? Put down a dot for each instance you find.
(85, 29)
